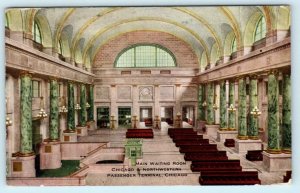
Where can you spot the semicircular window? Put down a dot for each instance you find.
(145, 56)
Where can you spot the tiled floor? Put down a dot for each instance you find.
(173, 170)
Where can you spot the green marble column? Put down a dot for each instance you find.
(210, 103)
(223, 106)
(242, 110)
(273, 115)
(201, 96)
(82, 112)
(286, 114)
(54, 114)
(26, 115)
(231, 114)
(91, 102)
(253, 121)
(71, 108)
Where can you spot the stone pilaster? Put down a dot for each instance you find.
(273, 114)
(91, 102)
(210, 102)
(54, 114)
(253, 121)
(231, 114)
(71, 108)
(201, 98)
(26, 115)
(82, 112)
(286, 114)
(222, 106)
(242, 110)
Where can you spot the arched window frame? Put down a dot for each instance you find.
(59, 47)
(36, 32)
(6, 21)
(234, 45)
(260, 29)
(157, 46)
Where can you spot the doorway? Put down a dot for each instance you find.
(188, 115)
(103, 117)
(166, 114)
(124, 117)
(146, 116)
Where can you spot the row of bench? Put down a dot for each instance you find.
(213, 165)
(139, 133)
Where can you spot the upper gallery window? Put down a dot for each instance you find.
(233, 45)
(145, 56)
(260, 30)
(35, 88)
(37, 37)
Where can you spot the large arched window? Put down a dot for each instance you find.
(145, 56)
(260, 30)
(233, 45)
(36, 32)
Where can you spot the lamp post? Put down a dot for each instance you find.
(178, 119)
(231, 111)
(77, 108)
(156, 119)
(112, 120)
(134, 120)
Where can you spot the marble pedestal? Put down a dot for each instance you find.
(82, 131)
(91, 125)
(23, 166)
(211, 130)
(50, 155)
(242, 146)
(227, 134)
(69, 136)
(277, 162)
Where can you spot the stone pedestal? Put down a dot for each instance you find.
(211, 130)
(91, 125)
(277, 162)
(50, 155)
(82, 131)
(69, 136)
(242, 146)
(227, 134)
(23, 166)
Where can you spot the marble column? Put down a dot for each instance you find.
(210, 102)
(242, 110)
(26, 115)
(71, 108)
(91, 102)
(253, 121)
(231, 114)
(223, 106)
(201, 97)
(273, 114)
(54, 114)
(286, 114)
(82, 111)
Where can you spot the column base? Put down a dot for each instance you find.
(69, 136)
(222, 135)
(277, 162)
(23, 166)
(50, 155)
(91, 125)
(211, 130)
(82, 131)
(242, 146)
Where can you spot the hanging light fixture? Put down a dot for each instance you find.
(63, 109)
(255, 112)
(77, 107)
(42, 113)
(87, 105)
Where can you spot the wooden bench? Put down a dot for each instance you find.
(215, 155)
(229, 178)
(173, 134)
(254, 155)
(139, 130)
(172, 130)
(139, 133)
(198, 148)
(287, 177)
(229, 143)
(187, 142)
(186, 137)
(224, 165)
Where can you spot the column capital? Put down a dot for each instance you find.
(25, 73)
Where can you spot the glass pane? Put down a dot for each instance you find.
(126, 59)
(164, 58)
(145, 56)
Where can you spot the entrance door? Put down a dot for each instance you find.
(166, 114)
(124, 117)
(103, 117)
(146, 116)
(188, 115)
